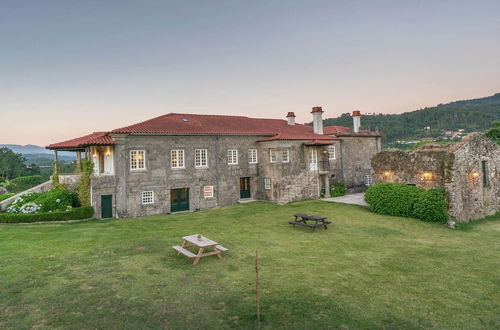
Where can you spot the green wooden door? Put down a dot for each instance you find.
(244, 187)
(179, 200)
(106, 206)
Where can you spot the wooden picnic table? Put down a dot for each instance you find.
(302, 218)
(203, 243)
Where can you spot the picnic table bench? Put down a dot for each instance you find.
(201, 243)
(301, 220)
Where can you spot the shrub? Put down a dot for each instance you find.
(23, 183)
(431, 206)
(16, 204)
(337, 189)
(83, 186)
(55, 200)
(85, 212)
(407, 201)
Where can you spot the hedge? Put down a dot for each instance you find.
(77, 213)
(5, 196)
(407, 201)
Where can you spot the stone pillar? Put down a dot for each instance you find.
(78, 162)
(326, 181)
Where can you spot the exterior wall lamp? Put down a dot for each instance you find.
(473, 175)
(427, 176)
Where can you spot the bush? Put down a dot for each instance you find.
(337, 189)
(55, 200)
(23, 183)
(407, 201)
(431, 206)
(84, 212)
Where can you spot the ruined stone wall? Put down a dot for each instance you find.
(457, 169)
(357, 152)
(468, 197)
(425, 169)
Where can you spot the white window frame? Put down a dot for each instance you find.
(177, 158)
(208, 191)
(332, 153)
(273, 156)
(135, 160)
(267, 183)
(252, 156)
(148, 197)
(368, 180)
(313, 160)
(201, 158)
(286, 153)
(232, 157)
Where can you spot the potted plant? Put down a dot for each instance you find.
(199, 237)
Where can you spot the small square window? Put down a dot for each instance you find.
(208, 191)
(267, 183)
(148, 197)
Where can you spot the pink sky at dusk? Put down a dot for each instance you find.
(68, 69)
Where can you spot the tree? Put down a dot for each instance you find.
(12, 164)
(494, 132)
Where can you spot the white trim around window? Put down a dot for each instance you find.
(137, 160)
(208, 191)
(267, 183)
(272, 156)
(148, 197)
(368, 180)
(232, 157)
(285, 156)
(252, 156)
(177, 158)
(200, 158)
(331, 153)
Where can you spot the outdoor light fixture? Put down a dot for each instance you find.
(473, 175)
(387, 173)
(324, 152)
(427, 176)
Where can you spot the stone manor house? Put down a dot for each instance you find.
(181, 162)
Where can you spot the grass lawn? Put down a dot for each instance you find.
(365, 271)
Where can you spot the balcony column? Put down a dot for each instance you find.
(78, 162)
(326, 181)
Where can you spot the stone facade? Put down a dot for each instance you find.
(289, 181)
(468, 171)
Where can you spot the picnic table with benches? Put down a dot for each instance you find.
(301, 220)
(202, 243)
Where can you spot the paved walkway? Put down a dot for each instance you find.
(356, 199)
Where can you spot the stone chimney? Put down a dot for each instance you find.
(291, 118)
(317, 120)
(356, 120)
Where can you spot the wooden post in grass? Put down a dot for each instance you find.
(257, 286)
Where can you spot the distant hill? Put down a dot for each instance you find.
(31, 151)
(439, 121)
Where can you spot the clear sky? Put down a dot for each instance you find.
(68, 68)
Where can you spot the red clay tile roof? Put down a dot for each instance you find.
(320, 142)
(96, 138)
(346, 131)
(189, 124)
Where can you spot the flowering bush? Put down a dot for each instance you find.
(51, 201)
(29, 208)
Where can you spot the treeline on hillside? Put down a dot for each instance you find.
(470, 115)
